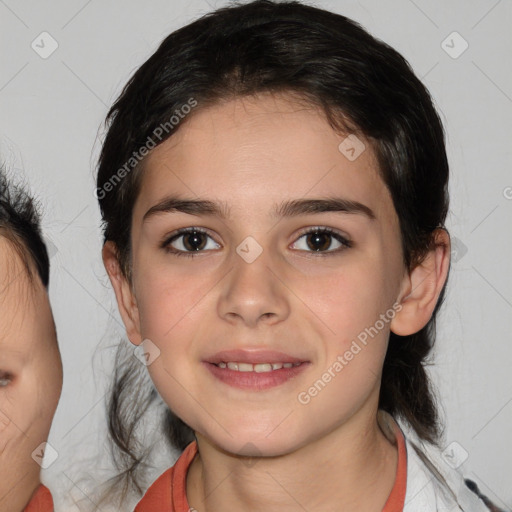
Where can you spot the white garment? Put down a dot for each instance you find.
(426, 470)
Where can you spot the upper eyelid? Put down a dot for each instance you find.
(184, 231)
(334, 231)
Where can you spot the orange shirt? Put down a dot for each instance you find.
(41, 501)
(168, 492)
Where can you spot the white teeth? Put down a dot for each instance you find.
(258, 368)
(265, 367)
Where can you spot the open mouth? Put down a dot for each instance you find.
(257, 368)
(256, 376)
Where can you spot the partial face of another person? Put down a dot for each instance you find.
(30, 376)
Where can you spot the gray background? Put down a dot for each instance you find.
(51, 110)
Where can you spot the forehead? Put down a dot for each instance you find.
(25, 312)
(258, 150)
(13, 274)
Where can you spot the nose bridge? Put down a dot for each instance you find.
(251, 291)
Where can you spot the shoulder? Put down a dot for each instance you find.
(435, 483)
(159, 493)
(168, 491)
(41, 501)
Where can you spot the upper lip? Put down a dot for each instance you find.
(253, 357)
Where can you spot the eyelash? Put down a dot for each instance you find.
(320, 230)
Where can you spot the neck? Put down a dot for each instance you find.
(17, 485)
(351, 468)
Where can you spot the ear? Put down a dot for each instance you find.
(124, 294)
(422, 286)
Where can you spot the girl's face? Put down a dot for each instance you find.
(281, 275)
(30, 372)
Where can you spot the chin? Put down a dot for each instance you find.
(255, 444)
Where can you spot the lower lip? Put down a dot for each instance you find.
(253, 380)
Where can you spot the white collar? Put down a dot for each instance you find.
(432, 484)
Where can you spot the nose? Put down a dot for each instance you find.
(254, 292)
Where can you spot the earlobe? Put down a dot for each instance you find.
(124, 294)
(422, 287)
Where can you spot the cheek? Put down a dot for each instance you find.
(49, 393)
(356, 315)
(347, 300)
(173, 312)
(354, 305)
(20, 410)
(166, 302)
(5, 420)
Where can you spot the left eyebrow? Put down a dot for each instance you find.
(332, 204)
(292, 208)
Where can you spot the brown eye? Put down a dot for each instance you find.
(323, 240)
(194, 241)
(189, 242)
(5, 379)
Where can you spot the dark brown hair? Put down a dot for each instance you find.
(20, 224)
(361, 84)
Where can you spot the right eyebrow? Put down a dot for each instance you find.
(191, 206)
